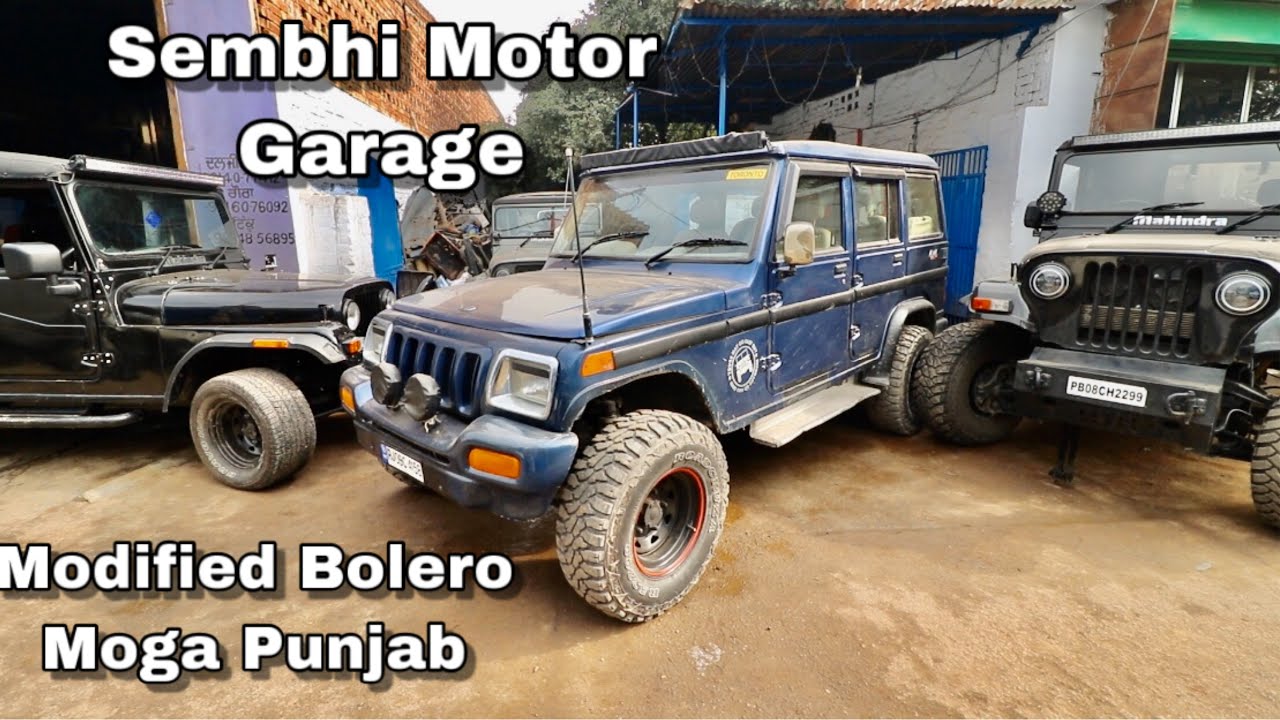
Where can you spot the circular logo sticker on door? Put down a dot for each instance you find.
(744, 365)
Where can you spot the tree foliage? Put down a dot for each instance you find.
(580, 114)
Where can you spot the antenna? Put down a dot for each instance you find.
(571, 187)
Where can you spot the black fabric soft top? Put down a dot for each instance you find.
(731, 143)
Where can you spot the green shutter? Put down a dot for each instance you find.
(1226, 31)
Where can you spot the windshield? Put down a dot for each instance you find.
(652, 210)
(1224, 178)
(122, 219)
(527, 220)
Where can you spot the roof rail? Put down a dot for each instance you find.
(720, 145)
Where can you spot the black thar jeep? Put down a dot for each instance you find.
(1147, 308)
(124, 292)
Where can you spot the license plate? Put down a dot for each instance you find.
(405, 464)
(1109, 392)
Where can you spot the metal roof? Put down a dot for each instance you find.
(774, 58)
(20, 166)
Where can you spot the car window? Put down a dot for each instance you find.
(819, 201)
(876, 212)
(32, 215)
(924, 213)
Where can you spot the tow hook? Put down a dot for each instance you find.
(1038, 379)
(1185, 405)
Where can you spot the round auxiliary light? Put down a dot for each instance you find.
(1052, 202)
(1050, 281)
(386, 384)
(387, 297)
(503, 271)
(1243, 294)
(351, 314)
(421, 397)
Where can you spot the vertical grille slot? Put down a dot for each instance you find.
(1137, 308)
(460, 373)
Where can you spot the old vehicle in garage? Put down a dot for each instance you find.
(523, 228)
(1148, 306)
(733, 283)
(124, 293)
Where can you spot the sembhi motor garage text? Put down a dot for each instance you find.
(177, 568)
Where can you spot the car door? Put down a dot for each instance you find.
(880, 254)
(43, 338)
(814, 343)
(926, 232)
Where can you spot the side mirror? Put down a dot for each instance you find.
(798, 243)
(1033, 217)
(24, 260)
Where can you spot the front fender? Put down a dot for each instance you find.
(324, 349)
(1266, 339)
(1019, 314)
(578, 404)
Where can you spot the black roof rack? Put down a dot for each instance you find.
(724, 144)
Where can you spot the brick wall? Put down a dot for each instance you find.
(424, 105)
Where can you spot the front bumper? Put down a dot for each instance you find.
(1135, 396)
(545, 457)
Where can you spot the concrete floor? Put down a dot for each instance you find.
(859, 575)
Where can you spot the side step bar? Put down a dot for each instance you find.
(790, 422)
(65, 421)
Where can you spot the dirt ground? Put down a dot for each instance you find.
(859, 575)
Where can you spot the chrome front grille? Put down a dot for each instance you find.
(460, 371)
(1140, 308)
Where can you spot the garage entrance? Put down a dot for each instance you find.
(57, 96)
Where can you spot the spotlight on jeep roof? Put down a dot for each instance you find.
(1047, 207)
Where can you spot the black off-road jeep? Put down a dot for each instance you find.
(124, 292)
(1148, 307)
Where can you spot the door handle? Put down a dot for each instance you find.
(897, 259)
(841, 269)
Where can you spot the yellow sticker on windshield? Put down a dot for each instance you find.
(755, 173)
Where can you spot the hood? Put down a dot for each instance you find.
(1206, 244)
(548, 303)
(235, 297)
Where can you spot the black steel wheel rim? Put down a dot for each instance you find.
(236, 431)
(669, 522)
(988, 388)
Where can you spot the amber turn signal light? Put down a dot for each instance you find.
(270, 343)
(991, 305)
(597, 363)
(494, 463)
(354, 346)
(348, 399)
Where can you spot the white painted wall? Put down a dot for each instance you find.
(1022, 109)
(331, 220)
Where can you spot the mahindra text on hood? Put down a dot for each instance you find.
(548, 303)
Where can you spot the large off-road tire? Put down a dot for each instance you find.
(641, 513)
(1264, 472)
(956, 376)
(893, 410)
(252, 428)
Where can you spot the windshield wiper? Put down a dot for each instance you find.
(1145, 210)
(607, 238)
(1261, 212)
(221, 254)
(164, 259)
(695, 242)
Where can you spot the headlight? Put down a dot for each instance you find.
(1050, 281)
(387, 297)
(1243, 294)
(374, 340)
(351, 312)
(523, 383)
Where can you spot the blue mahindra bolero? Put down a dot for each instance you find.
(723, 284)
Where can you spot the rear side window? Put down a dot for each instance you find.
(924, 213)
(876, 212)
